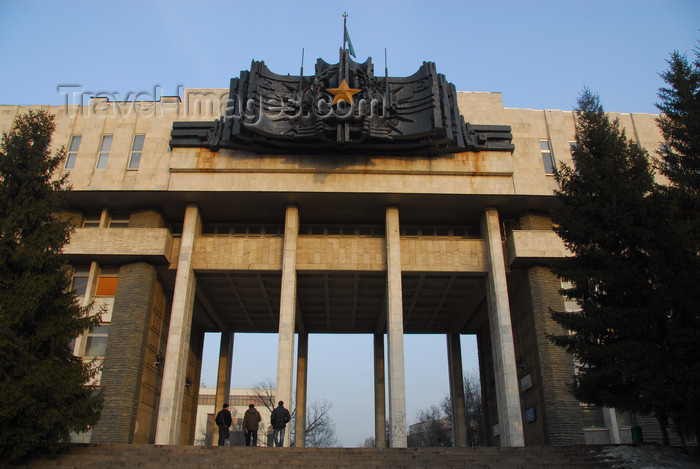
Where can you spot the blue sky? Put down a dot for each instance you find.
(538, 54)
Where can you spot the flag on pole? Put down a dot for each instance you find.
(347, 38)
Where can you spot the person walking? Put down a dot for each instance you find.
(279, 418)
(223, 421)
(250, 424)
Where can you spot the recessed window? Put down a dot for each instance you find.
(119, 220)
(136, 149)
(72, 151)
(80, 279)
(592, 416)
(104, 151)
(92, 220)
(107, 281)
(547, 157)
(96, 343)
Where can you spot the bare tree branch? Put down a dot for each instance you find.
(265, 391)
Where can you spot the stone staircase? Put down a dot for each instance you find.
(107, 456)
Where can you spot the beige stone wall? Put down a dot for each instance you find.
(533, 246)
(200, 169)
(341, 253)
(142, 242)
(337, 253)
(443, 255)
(234, 253)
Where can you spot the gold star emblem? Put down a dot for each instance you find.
(343, 93)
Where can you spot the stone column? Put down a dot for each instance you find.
(610, 420)
(223, 377)
(394, 320)
(483, 344)
(302, 361)
(379, 399)
(285, 348)
(454, 362)
(507, 393)
(124, 360)
(175, 367)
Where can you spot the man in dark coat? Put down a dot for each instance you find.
(223, 421)
(250, 424)
(279, 418)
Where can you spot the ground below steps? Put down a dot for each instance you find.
(107, 456)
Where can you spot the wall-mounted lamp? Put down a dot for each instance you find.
(159, 361)
(188, 383)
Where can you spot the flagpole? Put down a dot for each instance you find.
(345, 28)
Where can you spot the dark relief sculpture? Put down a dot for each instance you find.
(343, 108)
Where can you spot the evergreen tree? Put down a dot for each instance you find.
(609, 221)
(680, 122)
(679, 247)
(43, 388)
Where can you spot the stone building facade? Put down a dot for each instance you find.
(176, 242)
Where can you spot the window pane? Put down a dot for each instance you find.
(106, 143)
(592, 416)
(544, 145)
(134, 161)
(109, 270)
(138, 143)
(102, 160)
(624, 419)
(79, 285)
(70, 160)
(119, 220)
(548, 163)
(92, 220)
(107, 286)
(74, 143)
(95, 346)
(82, 270)
(101, 329)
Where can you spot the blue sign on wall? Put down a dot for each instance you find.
(530, 414)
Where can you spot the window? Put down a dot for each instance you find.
(624, 419)
(136, 149)
(72, 151)
(104, 151)
(92, 220)
(119, 220)
(107, 281)
(96, 343)
(592, 416)
(547, 157)
(80, 279)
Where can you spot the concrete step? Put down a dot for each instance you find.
(107, 456)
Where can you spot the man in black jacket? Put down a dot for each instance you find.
(279, 418)
(223, 421)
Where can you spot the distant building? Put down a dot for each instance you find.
(431, 433)
(238, 400)
(339, 202)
